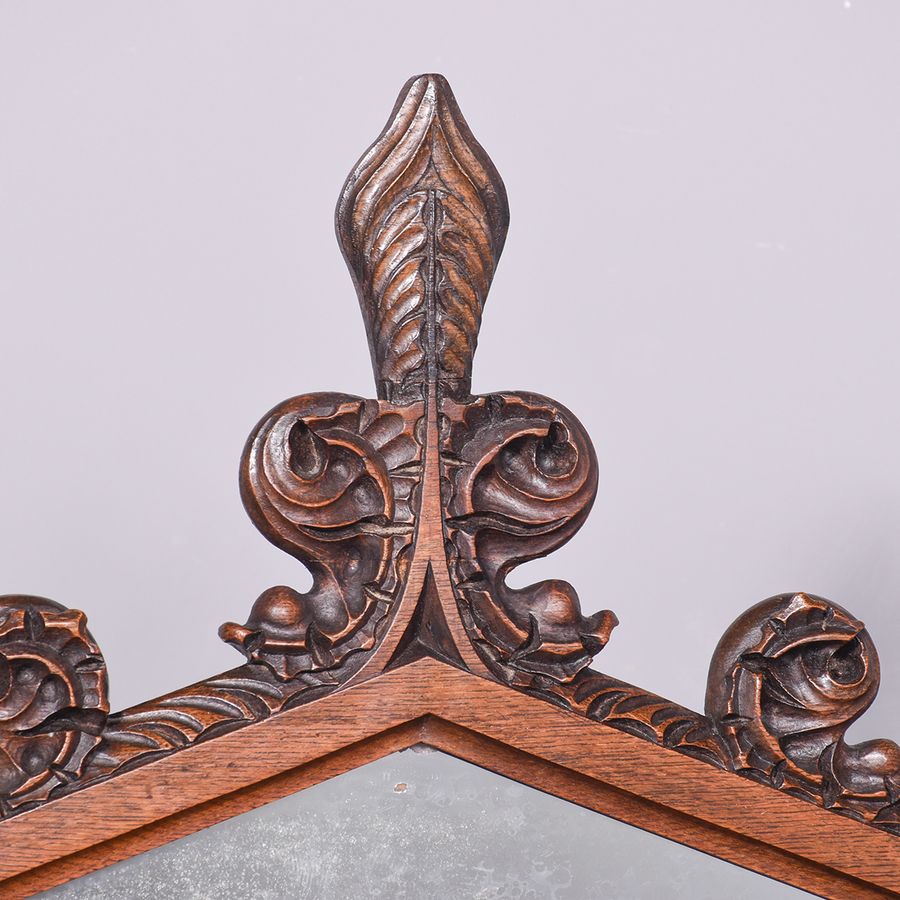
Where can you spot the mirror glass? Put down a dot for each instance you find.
(421, 824)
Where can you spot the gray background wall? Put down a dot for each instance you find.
(702, 264)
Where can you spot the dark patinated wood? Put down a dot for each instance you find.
(786, 681)
(332, 480)
(422, 221)
(53, 699)
(410, 511)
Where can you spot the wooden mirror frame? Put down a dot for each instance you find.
(410, 511)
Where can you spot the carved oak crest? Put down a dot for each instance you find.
(340, 482)
(410, 511)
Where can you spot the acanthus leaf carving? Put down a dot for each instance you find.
(786, 681)
(330, 479)
(422, 221)
(522, 476)
(53, 699)
(191, 715)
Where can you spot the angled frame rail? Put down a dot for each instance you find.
(475, 719)
(410, 511)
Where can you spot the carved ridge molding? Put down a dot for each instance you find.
(410, 511)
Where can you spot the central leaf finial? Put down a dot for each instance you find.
(421, 221)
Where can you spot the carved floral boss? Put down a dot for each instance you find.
(410, 511)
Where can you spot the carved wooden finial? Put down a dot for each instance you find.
(422, 220)
(371, 495)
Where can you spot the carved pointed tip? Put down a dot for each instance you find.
(428, 89)
(432, 89)
(426, 80)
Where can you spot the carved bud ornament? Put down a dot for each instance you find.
(411, 510)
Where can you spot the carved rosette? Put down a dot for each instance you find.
(786, 681)
(53, 698)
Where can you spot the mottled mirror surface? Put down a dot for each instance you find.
(422, 824)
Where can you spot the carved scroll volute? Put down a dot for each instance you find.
(786, 681)
(522, 477)
(422, 220)
(53, 698)
(329, 479)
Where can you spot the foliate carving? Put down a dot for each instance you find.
(521, 477)
(648, 716)
(195, 714)
(786, 681)
(331, 480)
(53, 698)
(422, 220)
